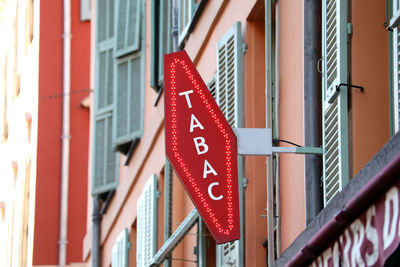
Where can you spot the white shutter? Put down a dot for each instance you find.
(335, 137)
(120, 251)
(147, 223)
(228, 94)
(396, 62)
(229, 75)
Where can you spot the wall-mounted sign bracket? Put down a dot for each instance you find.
(258, 142)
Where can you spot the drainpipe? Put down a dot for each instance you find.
(96, 222)
(276, 131)
(269, 162)
(312, 107)
(62, 257)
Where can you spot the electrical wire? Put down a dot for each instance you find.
(276, 141)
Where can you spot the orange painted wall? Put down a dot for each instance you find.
(45, 248)
(47, 209)
(255, 170)
(369, 68)
(291, 122)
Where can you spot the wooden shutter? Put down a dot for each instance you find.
(335, 136)
(120, 251)
(129, 97)
(147, 223)
(127, 27)
(160, 39)
(228, 94)
(105, 160)
(394, 24)
(105, 20)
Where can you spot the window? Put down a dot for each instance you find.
(119, 87)
(188, 13)
(147, 223)
(160, 39)
(120, 251)
(334, 102)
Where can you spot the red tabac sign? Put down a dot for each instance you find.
(201, 147)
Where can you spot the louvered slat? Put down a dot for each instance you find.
(100, 150)
(104, 97)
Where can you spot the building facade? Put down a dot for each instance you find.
(32, 94)
(322, 76)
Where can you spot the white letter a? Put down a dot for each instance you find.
(194, 122)
(208, 169)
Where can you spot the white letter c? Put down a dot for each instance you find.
(210, 192)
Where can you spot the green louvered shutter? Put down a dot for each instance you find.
(120, 251)
(335, 136)
(128, 27)
(394, 23)
(147, 223)
(229, 98)
(160, 39)
(105, 160)
(129, 74)
(129, 98)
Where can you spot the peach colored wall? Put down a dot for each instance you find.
(291, 122)
(255, 170)
(369, 59)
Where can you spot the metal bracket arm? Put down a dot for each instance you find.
(175, 238)
(258, 142)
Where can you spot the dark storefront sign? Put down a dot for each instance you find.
(361, 225)
(370, 239)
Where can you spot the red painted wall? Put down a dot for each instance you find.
(47, 211)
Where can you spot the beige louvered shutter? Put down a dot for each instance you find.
(147, 223)
(128, 27)
(335, 136)
(228, 94)
(105, 171)
(120, 251)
